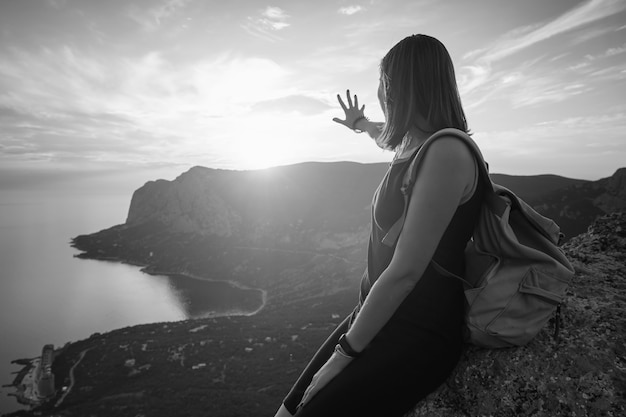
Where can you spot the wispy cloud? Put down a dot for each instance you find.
(301, 103)
(480, 79)
(595, 65)
(114, 108)
(577, 141)
(593, 33)
(542, 90)
(57, 4)
(275, 17)
(271, 20)
(586, 12)
(350, 10)
(152, 18)
(615, 51)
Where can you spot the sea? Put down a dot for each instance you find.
(47, 295)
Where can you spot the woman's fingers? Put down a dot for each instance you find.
(351, 104)
(341, 122)
(341, 103)
(351, 110)
(349, 99)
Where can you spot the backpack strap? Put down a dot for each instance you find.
(410, 176)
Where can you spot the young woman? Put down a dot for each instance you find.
(405, 336)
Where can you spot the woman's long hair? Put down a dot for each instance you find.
(417, 78)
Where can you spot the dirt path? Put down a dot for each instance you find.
(72, 379)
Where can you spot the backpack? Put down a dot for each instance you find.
(515, 273)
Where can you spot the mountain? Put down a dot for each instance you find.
(247, 204)
(533, 187)
(574, 207)
(313, 202)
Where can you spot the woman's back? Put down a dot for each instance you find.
(437, 302)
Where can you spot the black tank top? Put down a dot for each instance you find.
(437, 301)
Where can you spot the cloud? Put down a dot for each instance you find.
(152, 18)
(271, 20)
(350, 10)
(63, 103)
(577, 142)
(587, 12)
(529, 84)
(593, 33)
(302, 104)
(615, 51)
(473, 76)
(595, 65)
(541, 90)
(57, 4)
(485, 78)
(275, 17)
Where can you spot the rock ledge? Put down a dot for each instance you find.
(580, 373)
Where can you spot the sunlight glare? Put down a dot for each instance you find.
(261, 153)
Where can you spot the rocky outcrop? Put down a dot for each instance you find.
(582, 372)
(576, 206)
(322, 205)
(615, 196)
(189, 204)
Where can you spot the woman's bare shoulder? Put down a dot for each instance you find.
(450, 152)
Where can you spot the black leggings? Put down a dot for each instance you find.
(401, 366)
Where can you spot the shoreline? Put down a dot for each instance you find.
(230, 282)
(24, 384)
(150, 270)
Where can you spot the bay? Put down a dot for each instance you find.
(49, 296)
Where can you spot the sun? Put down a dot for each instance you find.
(262, 152)
(269, 139)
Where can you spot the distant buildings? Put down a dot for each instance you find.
(44, 376)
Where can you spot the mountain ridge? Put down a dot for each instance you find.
(334, 195)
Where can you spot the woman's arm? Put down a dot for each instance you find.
(445, 176)
(372, 128)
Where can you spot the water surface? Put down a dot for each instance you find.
(49, 296)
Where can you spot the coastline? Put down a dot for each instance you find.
(34, 383)
(150, 270)
(232, 313)
(25, 384)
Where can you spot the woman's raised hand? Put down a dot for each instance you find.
(352, 111)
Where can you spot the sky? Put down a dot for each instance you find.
(90, 87)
